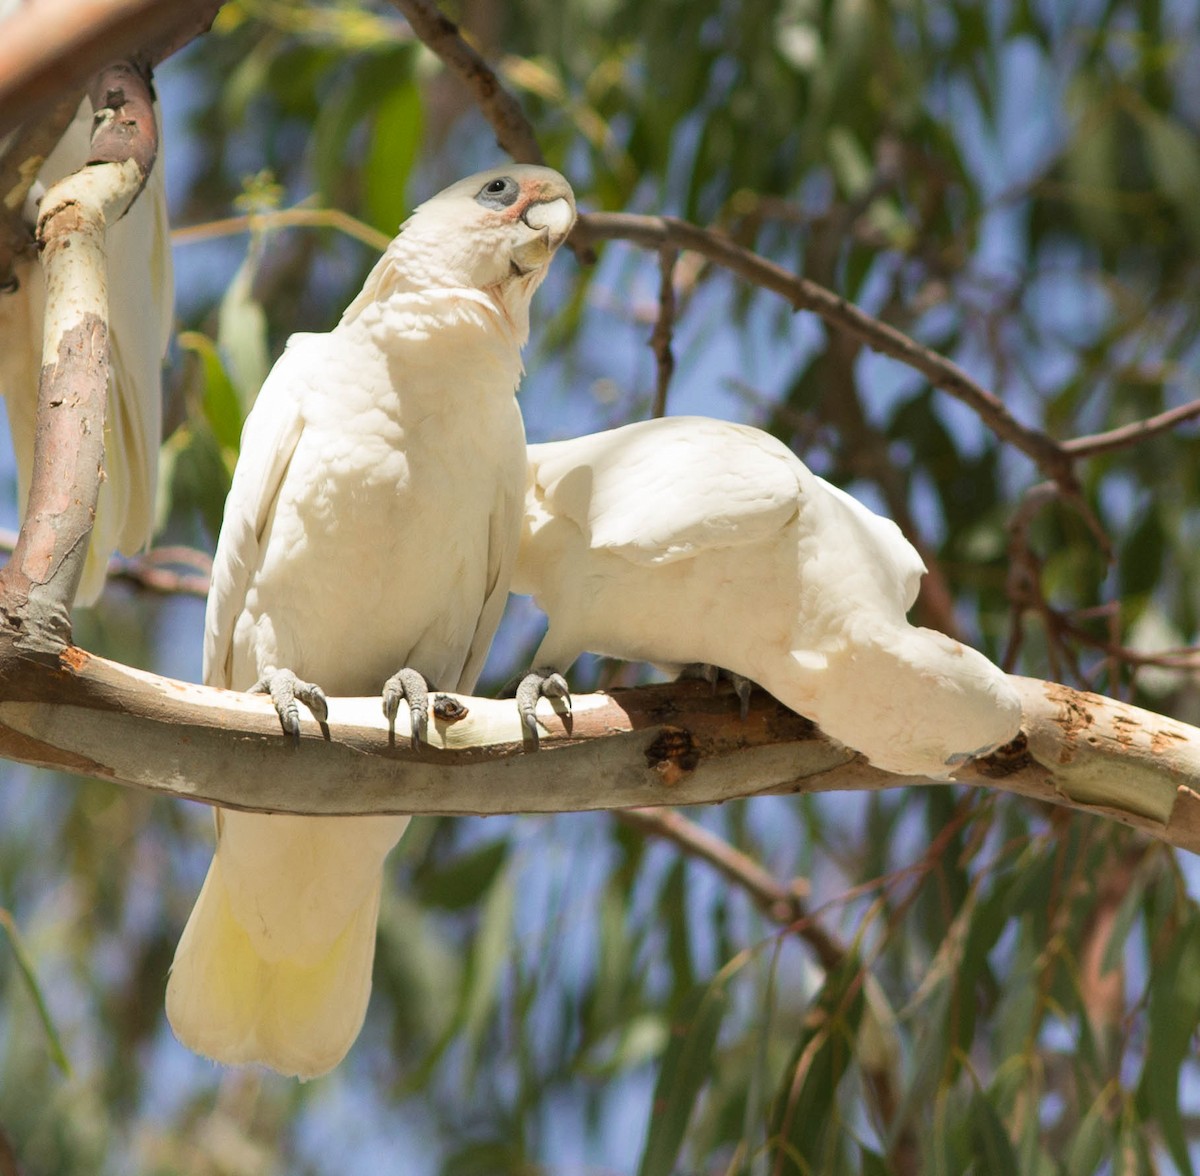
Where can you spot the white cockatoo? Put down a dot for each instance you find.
(141, 306)
(372, 524)
(689, 540)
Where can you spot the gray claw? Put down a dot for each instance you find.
(285, 690)
(541, 683)
(700, 672)
(742, 687)
(411, 686)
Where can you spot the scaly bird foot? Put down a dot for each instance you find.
(542, 683)
(285, 690)
(411, 686)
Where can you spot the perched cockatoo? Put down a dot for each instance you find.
(140, 311)
(694, 540)
(372, 524)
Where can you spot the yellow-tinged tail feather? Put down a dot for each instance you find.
(226, 1002)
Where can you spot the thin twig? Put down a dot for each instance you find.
(1131, 434)
(783, 904)
(282, 218)
(664, 325)
(153, 570)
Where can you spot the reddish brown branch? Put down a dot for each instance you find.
(52, 47)
(9, 1164)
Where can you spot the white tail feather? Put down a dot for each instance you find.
(226, 1002)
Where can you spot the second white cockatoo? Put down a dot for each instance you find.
(140, 310)
(689, 540)
(372, 524)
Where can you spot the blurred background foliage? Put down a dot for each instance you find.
(976, 984)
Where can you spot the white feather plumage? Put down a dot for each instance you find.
(695, 540)
(372, 524)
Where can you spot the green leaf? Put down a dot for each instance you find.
(490, 952)
(395, 141)
(805, 1126)
(222, 409)
(991, 1146)
(686, 1067)
(1093, 1140)
(459, 883)
(242, 330)
(1173, 1015)
(1174, 158)
(25, 967)
(199, 475)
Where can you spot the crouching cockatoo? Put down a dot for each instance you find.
(694, 540)
(372, 524)
(140, 309)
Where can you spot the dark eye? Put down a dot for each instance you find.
(499, 193)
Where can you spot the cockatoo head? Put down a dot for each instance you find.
(494, 232)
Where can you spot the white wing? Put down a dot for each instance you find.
(657, 491)
(269, 440)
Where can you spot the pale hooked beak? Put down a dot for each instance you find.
(551, 222)
(556, 216)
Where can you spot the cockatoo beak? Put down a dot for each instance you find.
(551, 221)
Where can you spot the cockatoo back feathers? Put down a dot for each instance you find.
(734, 554)
(671, 487)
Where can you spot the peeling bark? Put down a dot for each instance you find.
(38, 585)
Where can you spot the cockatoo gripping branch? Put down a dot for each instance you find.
(83, 714)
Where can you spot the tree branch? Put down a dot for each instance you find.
(658, 232)
(9, 1164)
(664, 745)
(664, 325)
(440, 34)
(783, 904)
(52, 47)
(22, 159)
(1131, 434)
(38, 584)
